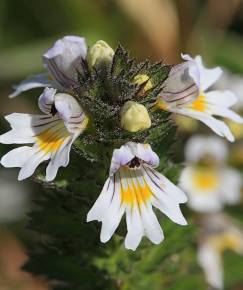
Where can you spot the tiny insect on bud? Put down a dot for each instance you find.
(134, 117)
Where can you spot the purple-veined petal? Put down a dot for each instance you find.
(46, 100)
(64, 59)
(35, 81)
(180, 88)
(206, 77)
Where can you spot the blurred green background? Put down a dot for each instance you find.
(155, 29)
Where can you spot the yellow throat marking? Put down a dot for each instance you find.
(132, 191)
(205, 179)
(199, 104)
(52, 138)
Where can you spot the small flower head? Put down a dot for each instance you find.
(100, 51)
(134, 187)
(185, 92)
(208, 182)
(134, 117)
(219, 233)
(51, 133)
(143, 79)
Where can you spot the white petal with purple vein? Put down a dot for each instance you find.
(35, 81)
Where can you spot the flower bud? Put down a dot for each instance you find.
(134, 117)
(141, 79)
(100, 51)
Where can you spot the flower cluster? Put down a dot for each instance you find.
(210, 185)
(134, 186)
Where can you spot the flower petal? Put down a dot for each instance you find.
(26, 127)
(36, 81)
(46, 100)
(165, 197)
(198, 147)
(63, 60)
(207, 77)
(219, 103)
(231, 186)
(71, 113)
(17, 157)
(223, 98)
(59, 158)
(16, 137)
(180, 87)
(67, 106)
(145, 153)
(219, 127)
(165, 185)
(112, 217)
(211, 262)
(152, 228)
(32, 163)
(19, 120)
(101, 205)
(135, 229)
(121, 157)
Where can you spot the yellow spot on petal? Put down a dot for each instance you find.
(52, 139)
(205, 179)
(132, 191)
(199, 104)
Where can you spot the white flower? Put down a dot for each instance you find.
(219, 234)
(133, 186)
(212, 184)
(185, 92)
(199, 147)
(52, 134)
(63, 62)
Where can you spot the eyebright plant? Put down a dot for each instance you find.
(113, 112)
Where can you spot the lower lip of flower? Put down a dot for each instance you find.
(133, 189)
(52, 139)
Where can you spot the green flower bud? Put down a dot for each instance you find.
(100, 51)
(134, 117)
(141, 79)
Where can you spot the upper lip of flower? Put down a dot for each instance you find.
(63, 60)
(180, 88)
